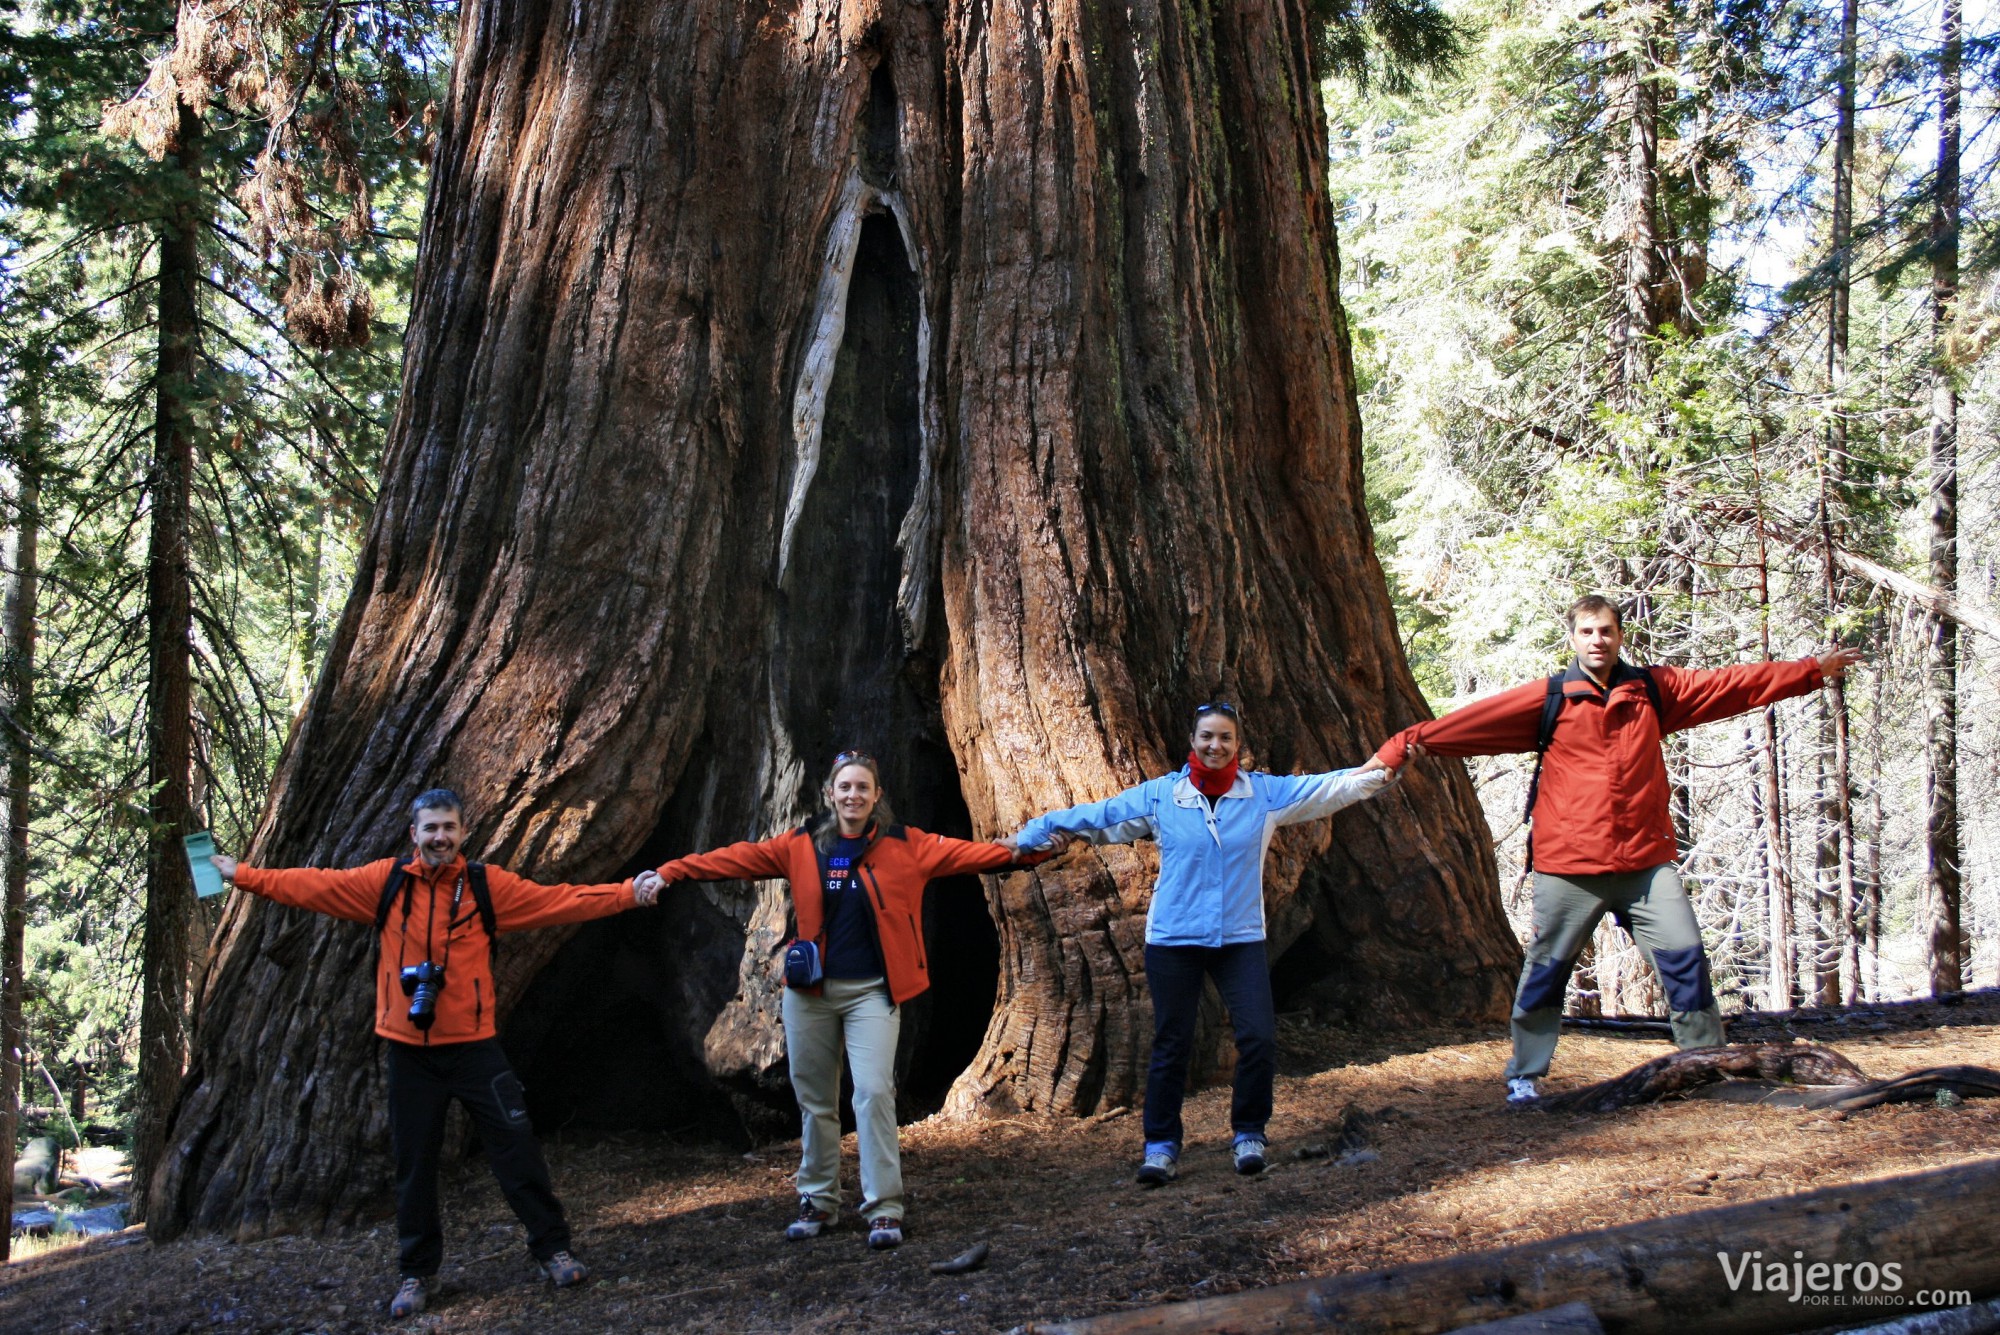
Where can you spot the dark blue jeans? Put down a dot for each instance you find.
(1242, 975)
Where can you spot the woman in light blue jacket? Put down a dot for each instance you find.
(1213, 822)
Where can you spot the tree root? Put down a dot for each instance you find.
(1785, 1063)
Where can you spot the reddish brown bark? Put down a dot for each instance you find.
(968, 383)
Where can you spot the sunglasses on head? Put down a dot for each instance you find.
(853, 758)
(1215, 707)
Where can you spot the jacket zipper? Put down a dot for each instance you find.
(875, 930)
(478, 1002)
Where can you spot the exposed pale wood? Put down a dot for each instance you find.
(1660, 1277)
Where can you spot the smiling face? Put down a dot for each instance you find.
(853, 793)
(437, 832)
(1216, 740)
(1596, 637)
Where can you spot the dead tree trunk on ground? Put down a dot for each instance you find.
(1660, 1277)
(964, 382)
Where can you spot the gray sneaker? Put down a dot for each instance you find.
(409, 1299)
(1249, 1152)
(810, 1221)
(1521, 1091)
(1161, 1166)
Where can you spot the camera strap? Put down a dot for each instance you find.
(401, 882)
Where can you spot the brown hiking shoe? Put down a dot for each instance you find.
(885, 1233)
(409, 1299)
(564, 1270)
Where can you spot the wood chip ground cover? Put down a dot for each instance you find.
(686, 1238)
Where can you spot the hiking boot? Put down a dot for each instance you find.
(565, 1271)
(885, 1233)
(409, 1299)
(1162, 1165)
(1249, 1152)
(1521, 1091)
(810, 1221)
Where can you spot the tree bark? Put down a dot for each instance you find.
(1839, 905)
(23, 591)
(1944, 932)
(165, 957)
(964, 382)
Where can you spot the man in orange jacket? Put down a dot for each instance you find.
(1603, 839)
(437, 916)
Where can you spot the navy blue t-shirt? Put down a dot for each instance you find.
(851, 951)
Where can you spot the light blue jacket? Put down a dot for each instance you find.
(1211, 886)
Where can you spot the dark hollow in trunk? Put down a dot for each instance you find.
(963, 383)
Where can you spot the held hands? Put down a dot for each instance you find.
(1833, 664)
(646, 887)
(226, 865)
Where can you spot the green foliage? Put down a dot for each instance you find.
(308, 195)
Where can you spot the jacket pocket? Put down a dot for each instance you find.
(917, 935)
(478, 1001)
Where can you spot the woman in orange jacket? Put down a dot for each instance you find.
(857, 882)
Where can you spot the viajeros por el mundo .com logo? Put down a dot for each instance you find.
(1830, 1283)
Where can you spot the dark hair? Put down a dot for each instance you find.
(826, 826)
(1595, 604)
(436, 799)
(1222, 707)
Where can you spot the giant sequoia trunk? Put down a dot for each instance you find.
(961, 381)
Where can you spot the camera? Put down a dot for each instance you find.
(421, 984)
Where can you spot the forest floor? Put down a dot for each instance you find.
(687, 1239)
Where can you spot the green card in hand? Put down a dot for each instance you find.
(200, 848)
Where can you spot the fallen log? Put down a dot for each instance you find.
(1569, 1319)
(1978, 1319)
(1676, 1073)
(1966, 1082)
(1664, 1276)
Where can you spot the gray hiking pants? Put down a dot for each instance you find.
(1652, 906)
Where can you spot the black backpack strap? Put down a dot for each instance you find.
(399, 880)
(1545, 732)
(1653, 694)
(482, 899)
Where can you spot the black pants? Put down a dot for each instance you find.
(422, 1083)
(1242, 975)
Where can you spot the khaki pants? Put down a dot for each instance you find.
(1652, 906)
(853, 1013)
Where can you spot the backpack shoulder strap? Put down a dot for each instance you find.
(1653, 694)
(1545, 732)
(482, 899)
(399, 880)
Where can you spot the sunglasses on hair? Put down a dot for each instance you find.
(1215, 707)
(853, 758)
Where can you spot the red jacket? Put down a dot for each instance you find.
(458, 943)
(1602, 806)
(894, 868)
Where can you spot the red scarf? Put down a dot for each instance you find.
(1212, 782)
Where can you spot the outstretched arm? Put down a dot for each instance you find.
(1304, 797)
(1695, 696)
(751, 860)
(519, 903)
(1115, 820)
(1497, 725)
(351, 893)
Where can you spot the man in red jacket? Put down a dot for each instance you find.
(437, 915)
(1602, 840)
